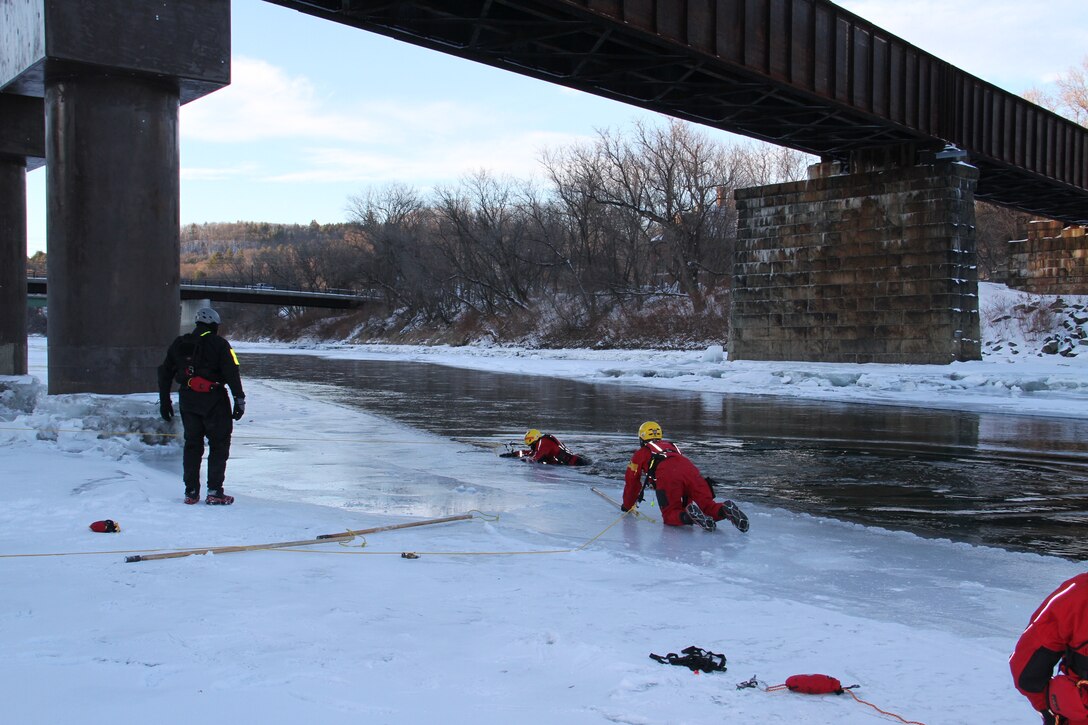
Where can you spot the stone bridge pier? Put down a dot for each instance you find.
(112, 74)
(877, 266)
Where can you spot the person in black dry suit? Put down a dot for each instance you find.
(204, 366)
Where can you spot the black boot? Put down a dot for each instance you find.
(699, 518)
(734, 515)
(216, 497)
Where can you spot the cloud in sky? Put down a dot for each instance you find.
(369, 141)
(265, 102)
(515, 154)
(218, 173)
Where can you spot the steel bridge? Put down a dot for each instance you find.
(805, 74)
(258, 294)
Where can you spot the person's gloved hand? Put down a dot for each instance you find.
(239, 408)
(1048, 717)
(625, 509)
(166, 409)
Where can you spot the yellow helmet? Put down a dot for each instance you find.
(532, 436)
(650, 431)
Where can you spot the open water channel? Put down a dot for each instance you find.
(1015, 482)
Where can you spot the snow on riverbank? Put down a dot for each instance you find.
(1014, 379)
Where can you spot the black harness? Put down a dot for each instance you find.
(694, 658)
(657, 455)
(192, 365)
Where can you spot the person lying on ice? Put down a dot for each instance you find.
(685, 497)
(546, 448)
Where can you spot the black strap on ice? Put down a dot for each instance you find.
(694, 658)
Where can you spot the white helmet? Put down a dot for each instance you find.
(207, 315)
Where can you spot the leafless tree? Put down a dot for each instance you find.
(484, 234)
(761, 164)
(396, 242)
(668, 184)
(1069, 96)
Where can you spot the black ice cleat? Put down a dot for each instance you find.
(218, 498)
(734, 515)
(699, 518)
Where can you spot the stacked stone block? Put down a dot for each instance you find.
(1053, 260)
(876, 267)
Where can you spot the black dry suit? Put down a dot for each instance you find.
(204, 366)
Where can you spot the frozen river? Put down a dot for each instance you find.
(1002, 480)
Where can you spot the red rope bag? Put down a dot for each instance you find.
(824, 685)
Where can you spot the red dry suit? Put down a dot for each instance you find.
(1058, 632)
(677, 480)
(548, 449)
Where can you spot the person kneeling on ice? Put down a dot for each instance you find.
(685, 497)
(1056, 636)
(546, 448)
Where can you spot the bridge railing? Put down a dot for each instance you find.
(37, 286)
(271, 288)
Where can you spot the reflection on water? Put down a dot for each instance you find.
(999, 480)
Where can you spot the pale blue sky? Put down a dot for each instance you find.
(317, 112)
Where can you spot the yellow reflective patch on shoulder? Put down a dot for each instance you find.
(633, 466)
(234, 355)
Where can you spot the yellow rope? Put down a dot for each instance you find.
(620, 518)
(460, 553)
(432, 553)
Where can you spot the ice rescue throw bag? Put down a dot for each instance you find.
(814, 684)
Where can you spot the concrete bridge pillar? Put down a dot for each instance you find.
(188, 314)
(12, 267)
(112, 74)
(875, 266)
(22, 146)
(113, 240)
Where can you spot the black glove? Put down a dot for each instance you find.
(1048, 718)
(239, 408)
(510, 454)
(625, 510)
(166, 409)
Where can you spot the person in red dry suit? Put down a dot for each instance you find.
(546, 448)
(685, 497)
(1057, 635)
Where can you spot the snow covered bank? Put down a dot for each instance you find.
(1014, 375)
